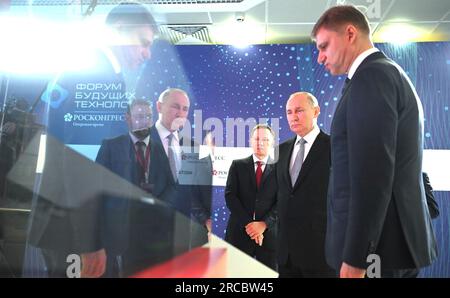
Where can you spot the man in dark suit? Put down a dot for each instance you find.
(135, 233)
(377, 202)
(250, 194)
(59, 226)
(128, 156)
(303, 169)
(181, 178)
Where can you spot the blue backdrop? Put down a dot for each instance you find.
(225, 82)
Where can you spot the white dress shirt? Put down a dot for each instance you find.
(309, 138)
(263, 162)
(359, 60)
(135, 139)
(163, 134)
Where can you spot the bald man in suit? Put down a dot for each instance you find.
(303, 169)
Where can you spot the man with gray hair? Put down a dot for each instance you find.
(188, 197)
(302, 171)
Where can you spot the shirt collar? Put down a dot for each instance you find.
(311, 136)
(134, 139)
(359, 60)
(164, 132)
(264, 160)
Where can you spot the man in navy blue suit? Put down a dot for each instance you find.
(189, 194)
(137, 235)
(377, 203)
(128, 155)
(128, 225)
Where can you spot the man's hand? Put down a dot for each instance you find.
(348, 271)
(208, 224)
(255, 228)
(93, 264)
(259, 239)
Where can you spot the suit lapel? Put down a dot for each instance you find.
(126, 151)
(268, 168)
(313, 154)
(287, 161)
(251, 171)
(154, 136)
(161, 158)
(367, 61)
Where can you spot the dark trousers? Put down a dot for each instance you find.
(289, 270)
(266, 256)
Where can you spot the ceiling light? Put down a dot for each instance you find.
(399, 33)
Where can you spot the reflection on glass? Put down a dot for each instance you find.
(121, 212)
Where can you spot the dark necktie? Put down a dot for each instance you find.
(140, 149)
(258, 173)
(347, 80)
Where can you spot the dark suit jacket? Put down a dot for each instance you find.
(433, 206)
(302, 208)
(377, 201)
(243, 199)
(118, 156)
(143, 234)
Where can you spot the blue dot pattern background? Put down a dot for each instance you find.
(226, 82)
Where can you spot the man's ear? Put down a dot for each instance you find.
(316, 112)
(158, 106)
(350, 32)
